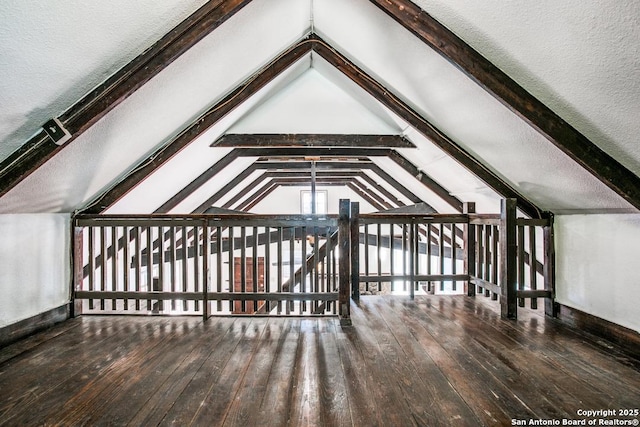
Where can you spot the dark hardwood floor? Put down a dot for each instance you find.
(438, 360)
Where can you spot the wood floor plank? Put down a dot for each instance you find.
(30, 344)
(361, 387)
(504, 365)
(421, 397)
(448, 406)
(386, 388)
(245, 404)
(305, 408)
(162, 400)
(334, 404)
(195, 395)
(106, 382)
(275, 406)
(437, 360)
(45, 377)
(561, 363)
(224, 387)
(489, 399)
(128, 394)
(602, 362)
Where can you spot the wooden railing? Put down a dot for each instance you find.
(408, 253)
(306, 265)
(511, 258)
(207, 264)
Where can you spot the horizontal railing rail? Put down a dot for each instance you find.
(206, 264)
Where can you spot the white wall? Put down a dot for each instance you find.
(34, 264)
(597, 266)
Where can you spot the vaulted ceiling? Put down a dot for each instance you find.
(372, 96)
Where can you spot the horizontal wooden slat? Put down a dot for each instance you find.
(391, 218)
(533, 222)
(484, 284)
(151, 295)
(275, 296)
(138, 222)
(484, 219)
(312, 140)
(273, 222)
(539, 293)
(211, 296)
(417, 278)
(213, 220)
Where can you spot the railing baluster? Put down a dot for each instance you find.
(172, 266)
(160, 286)
(366, 255)
(125, 264)
(441, 255)
(495, 252)
(196, 264)
(149, 284)
(303, 267)
(232, 284)
(267, 264)
(292, 260)
(219, 265)
(184, 265)
(92, 267)
(114, 264)
(533, 282)
(521, 263)
(454, 257)
(103, 264)
(280, 266)
(205, 270)
(137, 266)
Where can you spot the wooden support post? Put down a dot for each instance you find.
(78, 274)
(206, 276)
(355, 250)
(344, 262)
(470, 249)
(549, 270)
(508, 259)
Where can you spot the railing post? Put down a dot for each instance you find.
(78, 274)
(355, 250)
(344, 262)
(508, 260)
(549, 269)
(470, 249)
(206, 238)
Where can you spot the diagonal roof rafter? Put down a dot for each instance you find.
(115, 89)
(506, 90)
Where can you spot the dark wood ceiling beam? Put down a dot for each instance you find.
(367, 197)
(422, 125)
(96, 104)
(564, 136)
(395, 184)
(198, 182)
(257, 196)
(338, 152)
(372, 194)
(269, 165)
(381, 189)
(201, 124)
(320, 165)
(426, 180)
(261, 193)
(229, 186)
(312, 140)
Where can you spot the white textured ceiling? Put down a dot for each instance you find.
(580, 58)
